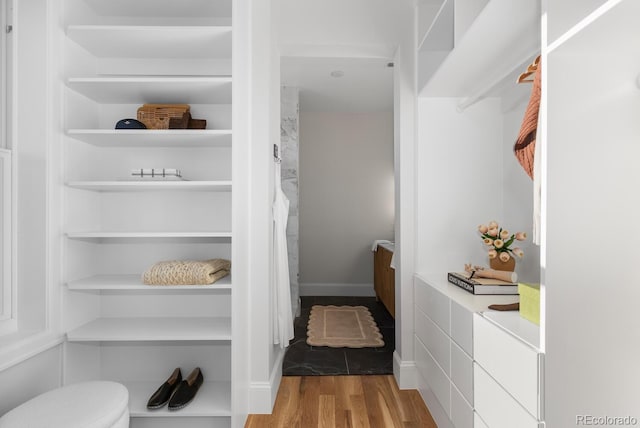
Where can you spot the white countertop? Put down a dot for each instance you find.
(472, 302)
(510, 321)
(391, 246)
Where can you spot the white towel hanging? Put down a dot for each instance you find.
(282, 312)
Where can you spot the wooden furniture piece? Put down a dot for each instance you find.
(384, 277)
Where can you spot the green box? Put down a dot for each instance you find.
(529, 302)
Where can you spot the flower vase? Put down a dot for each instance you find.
(497, 264)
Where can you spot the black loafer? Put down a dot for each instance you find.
(166, 390)
(186, 390)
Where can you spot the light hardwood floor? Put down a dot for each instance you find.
(344, 402)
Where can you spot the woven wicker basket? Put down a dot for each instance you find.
(157, 116)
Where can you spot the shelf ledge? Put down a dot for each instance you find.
(133, 282)
(154, 89)
(135, 235)
(173, 42)
(143, 185)
(213, 399)
(153, 329)
(153, 137)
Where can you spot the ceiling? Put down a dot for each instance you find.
(365, 86)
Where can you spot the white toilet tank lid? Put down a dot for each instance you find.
(96, 404)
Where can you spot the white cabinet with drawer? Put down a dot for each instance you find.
(507, 371)
(495, 406)
(444, 348)
(477, 368)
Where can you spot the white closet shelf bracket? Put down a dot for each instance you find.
(498, 82)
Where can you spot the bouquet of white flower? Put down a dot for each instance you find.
(499, 241)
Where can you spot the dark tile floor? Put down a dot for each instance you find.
(304, 360)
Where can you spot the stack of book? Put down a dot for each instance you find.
(481, 285)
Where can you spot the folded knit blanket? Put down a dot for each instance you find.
(187, 272)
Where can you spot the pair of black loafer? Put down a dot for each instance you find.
(176, 391)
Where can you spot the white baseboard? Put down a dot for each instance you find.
(405, 372)
(262, 395)
(333, 289)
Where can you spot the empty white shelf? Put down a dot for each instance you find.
(134, 235)
(212, 399)
(132, 90)
(153, 329)
(491, 45)
(439, 36)
(134, 282)
(144, 185)
(153, 137)
(124, 41)
(167, 9)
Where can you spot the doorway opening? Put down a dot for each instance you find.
(337, 168)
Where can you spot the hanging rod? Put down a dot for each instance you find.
(498, 82)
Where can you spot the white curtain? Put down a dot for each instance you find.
(282, 312)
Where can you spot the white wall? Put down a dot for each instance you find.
(465, 159)
(518, 197)
(459, 167)
(241, 323)
(32, 377)
(364, 24)
(31, 151)
(259, 104)
(31, 359)
(290, 168)
(346, 196)
(591, 262)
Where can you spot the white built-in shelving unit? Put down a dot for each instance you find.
(470, 109)
(119, 55)
(586, 344)
(489, 50)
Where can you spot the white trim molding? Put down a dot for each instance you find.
(8, 321)
(262, 395)
(21, 346)
(330, 289)
(405, 372)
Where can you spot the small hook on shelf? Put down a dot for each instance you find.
(276, 154)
